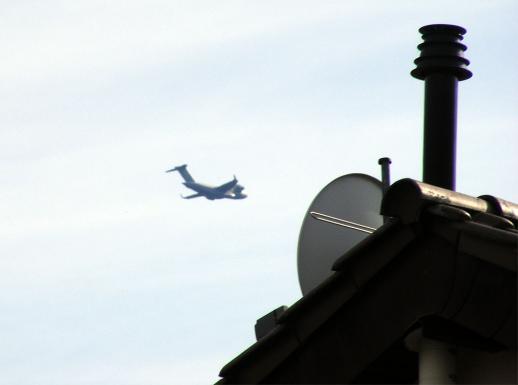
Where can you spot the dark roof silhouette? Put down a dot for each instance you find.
(445, 262)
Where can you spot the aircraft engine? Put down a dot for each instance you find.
(237, 189)
(237, 192)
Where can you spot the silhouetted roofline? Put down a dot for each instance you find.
(443, 257)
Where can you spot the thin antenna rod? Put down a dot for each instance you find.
(342, 222)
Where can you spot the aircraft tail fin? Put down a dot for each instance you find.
(183, 172)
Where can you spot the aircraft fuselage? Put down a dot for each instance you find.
(212, 192)
(205, 190)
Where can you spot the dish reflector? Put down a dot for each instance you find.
(340, 216)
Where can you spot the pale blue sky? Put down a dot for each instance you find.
(106, 275)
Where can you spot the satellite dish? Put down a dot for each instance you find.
(341, 215)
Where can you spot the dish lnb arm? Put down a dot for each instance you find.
(342, 222)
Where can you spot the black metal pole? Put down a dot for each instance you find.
(385, 173)
(385, 178)
(441, 65)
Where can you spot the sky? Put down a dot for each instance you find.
(106, 274)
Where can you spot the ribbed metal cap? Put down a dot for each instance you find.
(442, 52)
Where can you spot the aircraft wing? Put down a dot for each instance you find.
(226, 186)
(192, 196)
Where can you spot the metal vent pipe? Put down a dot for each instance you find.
(441, 65)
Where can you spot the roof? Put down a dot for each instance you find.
(444, 260)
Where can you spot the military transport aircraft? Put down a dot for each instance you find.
(229, 190)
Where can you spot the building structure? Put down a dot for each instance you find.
(429, 297)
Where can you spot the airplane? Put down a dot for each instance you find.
(229, 190)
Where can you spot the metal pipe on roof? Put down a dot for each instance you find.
(441, 65)
(385, 178)
(385, 173)
(436, 363)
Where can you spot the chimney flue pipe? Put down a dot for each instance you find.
(441, 65)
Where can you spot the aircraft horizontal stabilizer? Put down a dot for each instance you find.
(178, 168)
